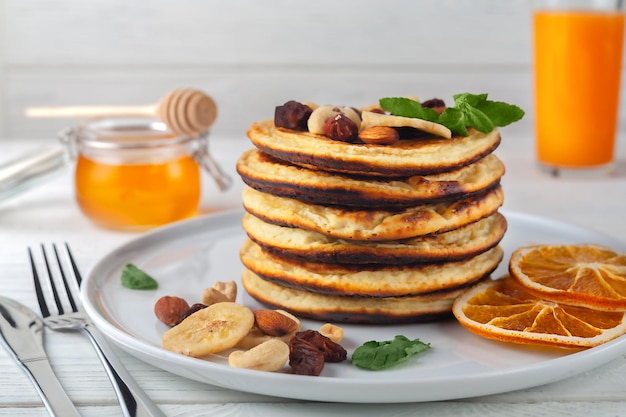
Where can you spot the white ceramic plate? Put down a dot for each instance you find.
(187, 257)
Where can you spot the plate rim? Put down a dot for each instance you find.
(308, 387)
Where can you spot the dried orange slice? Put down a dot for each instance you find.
(503, 310)
(584, 275)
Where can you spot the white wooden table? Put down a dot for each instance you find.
(48, 214)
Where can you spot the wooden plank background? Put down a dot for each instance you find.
(251, 55)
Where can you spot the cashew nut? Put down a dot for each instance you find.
(320, 115)
(220, 292)
(270, 355)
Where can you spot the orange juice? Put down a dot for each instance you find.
(578, 57)
(136, 196)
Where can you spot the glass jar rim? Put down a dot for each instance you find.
(132, 132)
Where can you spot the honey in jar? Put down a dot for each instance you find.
(134, 173)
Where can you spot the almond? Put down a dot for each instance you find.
(379, 135)
(273, 323)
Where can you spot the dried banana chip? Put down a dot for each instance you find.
(210, 330)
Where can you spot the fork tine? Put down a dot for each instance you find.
(77, 276)
(66, 285)
(43, 306)
(53, 287)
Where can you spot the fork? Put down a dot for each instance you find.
(133, 400)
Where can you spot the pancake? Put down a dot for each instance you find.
(390, 310)
(370, 280)
(372, 224)
(265, 173)
(290, 242)
(403, 159)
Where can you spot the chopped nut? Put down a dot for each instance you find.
(170, 309)
(331, 331)
(379, 135)
(273, 323)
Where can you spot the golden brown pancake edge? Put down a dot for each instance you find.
(403, 159)
(300, 244)
(268, 174)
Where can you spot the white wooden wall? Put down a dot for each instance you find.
(251, 55)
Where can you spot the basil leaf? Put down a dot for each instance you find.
(375, 355)
(136, 279)
(405, 107)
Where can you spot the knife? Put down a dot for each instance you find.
(22, 335)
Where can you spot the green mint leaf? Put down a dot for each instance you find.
(473, 100)
(375, 355)
(136, 279)
(454, 119)
(501, 113)
(405, 107)
(476, 118)
(469, 110)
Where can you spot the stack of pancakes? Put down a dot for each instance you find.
(353, 232)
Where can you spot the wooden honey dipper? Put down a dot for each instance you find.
(185, 111)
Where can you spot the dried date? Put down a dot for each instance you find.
(292, 115)
(194, 307)
(333, 352)
(436, 104)
(305, 358)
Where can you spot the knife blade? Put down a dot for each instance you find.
(21, 332)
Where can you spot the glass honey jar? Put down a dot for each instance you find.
(133, 173)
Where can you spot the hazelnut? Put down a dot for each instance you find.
(341, 127)
(273, 323)
(170, 309)
(379, 135)
(317, 121)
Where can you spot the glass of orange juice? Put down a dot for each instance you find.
(134, 173)
(577, 66)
